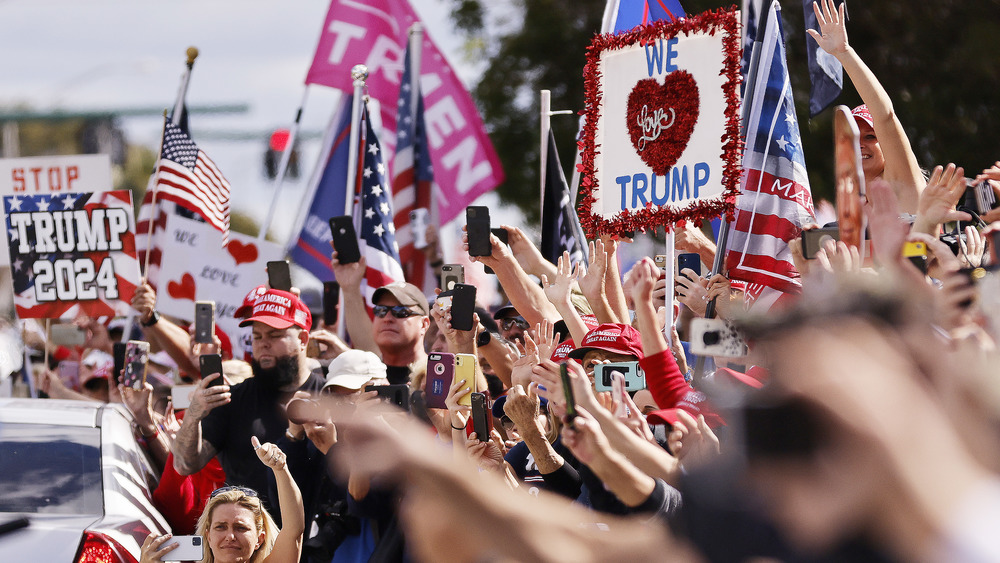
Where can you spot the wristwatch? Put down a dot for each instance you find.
(483, 339)
(153, 319)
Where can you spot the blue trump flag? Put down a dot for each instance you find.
(312, 248)
(627, 14)
(826, 74)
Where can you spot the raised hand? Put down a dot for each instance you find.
(591, 279)
(938, 200)
(832, 34)
(269, 454)
(559, 289)
(348, 275)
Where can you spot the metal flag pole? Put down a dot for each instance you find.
(192, 54)
(748, 94)
(359, 74)
(545, 103)
(286, 156)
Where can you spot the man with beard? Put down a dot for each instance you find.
(221, 419)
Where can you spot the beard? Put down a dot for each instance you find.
(284, 372)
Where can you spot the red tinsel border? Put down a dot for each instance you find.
(711, 22)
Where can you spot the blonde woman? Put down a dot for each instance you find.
(235, 527)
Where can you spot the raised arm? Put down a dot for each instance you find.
(558, 290)
(288, 545)
(174, 340)
(901, 167)
(359, 324)
(191, 451)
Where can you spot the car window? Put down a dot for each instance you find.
(50, 469)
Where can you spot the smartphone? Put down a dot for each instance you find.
(452, 274)
(180, 396)
(481, 417)
(118, 353)
(689, 260)
(418, 226)
(813, 239)
(331, 298)
(136, 356)
(716, 337)
(440, 371)
(465, 368)
(204, 321)
(278, 276)
(69, 373)
(916, 252)
(661, 261)
(477, 219)
(209, 364)
(191, 549)
(398, 395)
(635, 378)
(463, 305)
(567, 393)
(345, 239)
(443, 300)
(504, 237)
(67, 335)
(788, 429)
(979, 196)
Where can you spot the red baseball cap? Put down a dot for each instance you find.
(611, 337)
(861, 113)
(591, 321)
(248, 301)
(562, 350)
(279, 309)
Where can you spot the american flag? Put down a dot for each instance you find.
(63, 272)
(775, 200)
(561, 229)
(150, 241)
(187, 177)
(377, 232)
(414, 177)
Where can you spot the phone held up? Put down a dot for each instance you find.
(191, 548)
(567, 393)
(481, 417)
(345, 239)
(813, 240)
(477, 219)
(716, 337)
(136, 356)
(635, 378)
(450, 275)
(440, 371)
(465, 368)
(209, 364)
(204, 322)
(278, 275)
(331, 297)
(463, 306)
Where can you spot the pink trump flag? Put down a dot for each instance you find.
(374, 33)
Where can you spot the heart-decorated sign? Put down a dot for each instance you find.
(186, 289)
(661, 118)
(661, 143)
(242, 253)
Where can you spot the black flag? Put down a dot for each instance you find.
(560, 224)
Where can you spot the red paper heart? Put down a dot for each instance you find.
(183, 290)
(661, 118)
(242, 253)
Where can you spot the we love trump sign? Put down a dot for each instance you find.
(661, 140)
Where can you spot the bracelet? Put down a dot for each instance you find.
(156, 432)
(453, 427)
(288, 434)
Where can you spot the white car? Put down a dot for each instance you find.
(76, 472)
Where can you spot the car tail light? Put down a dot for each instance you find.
(99, 548)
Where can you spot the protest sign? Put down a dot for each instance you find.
(195, 267)
(661, 140)
(72, 253)
(53, 174)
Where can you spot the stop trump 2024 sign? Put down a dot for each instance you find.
(661, 140)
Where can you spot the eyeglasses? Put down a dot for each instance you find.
(398, 311)
(248, 492)
(522, 324)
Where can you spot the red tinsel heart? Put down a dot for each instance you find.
(661, 118)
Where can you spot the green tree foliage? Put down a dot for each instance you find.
(937, 60)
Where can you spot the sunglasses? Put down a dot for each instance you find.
(398, 311)
(248, 492)
(522, 324)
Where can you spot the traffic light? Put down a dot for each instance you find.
(276, 144)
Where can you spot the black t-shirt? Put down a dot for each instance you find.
(253, 411)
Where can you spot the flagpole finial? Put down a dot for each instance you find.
(359, 73)
(192, 54)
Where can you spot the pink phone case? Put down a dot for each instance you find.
(440, 372)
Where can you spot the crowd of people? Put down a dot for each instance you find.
(862, 424)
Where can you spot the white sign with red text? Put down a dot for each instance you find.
(195, 267)
(52, 175)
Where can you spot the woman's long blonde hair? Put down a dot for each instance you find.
(262, 520)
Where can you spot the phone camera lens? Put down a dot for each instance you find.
(711, 338)
(439, 369)
(196, 540)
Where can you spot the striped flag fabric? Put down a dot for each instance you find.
(147, 240)
(72, 254)
(775, 200)
(413, 179)
(377, 232)
(187, 177)
(627, 14)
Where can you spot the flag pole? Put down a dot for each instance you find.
(152, 204)
(359, 74)
(192, 54)
(416, 52)
(545, 103)
(286, 156)
(751, 85)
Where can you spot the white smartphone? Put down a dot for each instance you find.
(180, 396)
(716, 337)
(191, 549)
